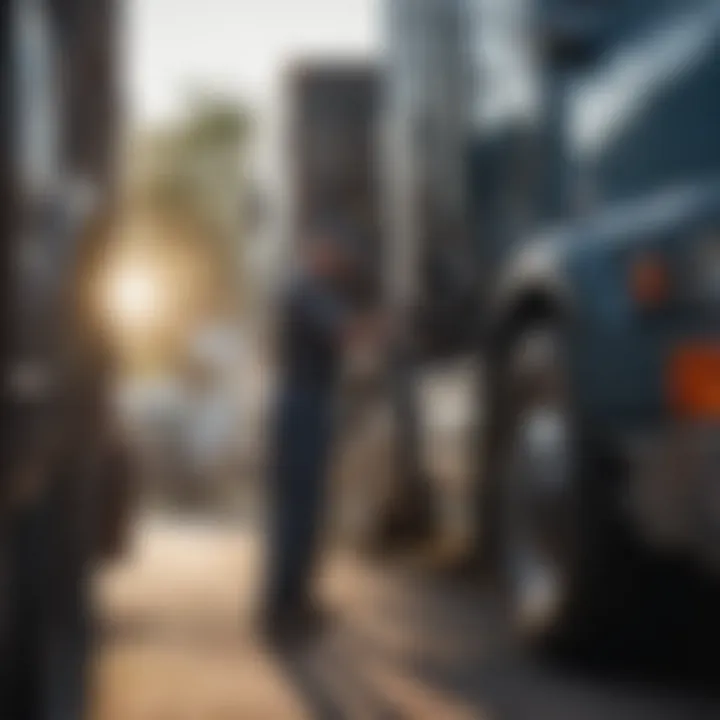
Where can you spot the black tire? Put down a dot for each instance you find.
(562, 553)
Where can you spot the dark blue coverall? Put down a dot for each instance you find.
(315, 315)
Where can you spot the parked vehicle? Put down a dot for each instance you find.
(553, 188)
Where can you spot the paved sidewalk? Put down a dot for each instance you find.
(180, 645)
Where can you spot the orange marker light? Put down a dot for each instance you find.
(649, 281)
(694, 382)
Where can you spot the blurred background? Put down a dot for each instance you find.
(523, 517)
(211, 196)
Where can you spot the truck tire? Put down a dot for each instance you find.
(563, 557)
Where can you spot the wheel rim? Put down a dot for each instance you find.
(537, 489)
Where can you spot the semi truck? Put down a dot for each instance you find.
(551, 180)
(62, 482)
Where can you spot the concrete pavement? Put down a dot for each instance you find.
(179, 644)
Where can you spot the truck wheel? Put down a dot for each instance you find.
(562, 553)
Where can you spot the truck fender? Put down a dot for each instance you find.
(533, 286)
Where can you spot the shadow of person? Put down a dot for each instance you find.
(331, 683)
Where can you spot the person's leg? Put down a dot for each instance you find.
(311, 496)
(286, 554)
(282, 502)
(299, 480)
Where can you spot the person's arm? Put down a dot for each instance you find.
(334, 319)
(324, 312)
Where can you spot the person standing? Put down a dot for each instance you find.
(317, 324)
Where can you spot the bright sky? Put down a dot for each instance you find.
(234, 46)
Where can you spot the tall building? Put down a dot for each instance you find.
(332, 141)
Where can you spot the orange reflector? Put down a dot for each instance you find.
(695, 381)
(649, 281)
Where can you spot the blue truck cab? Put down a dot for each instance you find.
(636, 185)
(586, 171)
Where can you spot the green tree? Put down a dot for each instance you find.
(193, 173)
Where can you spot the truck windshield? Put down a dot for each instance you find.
(505, 113)
(504, 71)
(647, 115)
